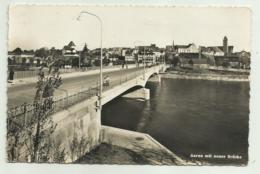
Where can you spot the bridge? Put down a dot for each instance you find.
(78, 115)
(138, 81)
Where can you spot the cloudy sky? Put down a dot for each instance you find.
(32, 27)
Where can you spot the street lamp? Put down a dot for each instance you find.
(143, 58)
(101, 54)
(79, 61)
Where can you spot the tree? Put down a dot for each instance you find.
(35, 135)
(84, 55)
(43, 101)
(169, 57)
(42, 52)
(17, 51)
(55, 52)
(175, 61)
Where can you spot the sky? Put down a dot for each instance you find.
(33, 27)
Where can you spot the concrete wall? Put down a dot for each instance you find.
(78, 128)
(141, 143)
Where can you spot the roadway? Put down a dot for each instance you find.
(18, 95)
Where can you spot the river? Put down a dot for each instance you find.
(190, 117)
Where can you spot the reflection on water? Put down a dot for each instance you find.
(189, 117)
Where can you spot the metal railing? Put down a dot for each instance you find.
(22, 114)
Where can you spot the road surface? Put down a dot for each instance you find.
(18, 95)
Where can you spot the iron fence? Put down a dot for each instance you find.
(23, 114)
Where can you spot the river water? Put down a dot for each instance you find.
(192, 118)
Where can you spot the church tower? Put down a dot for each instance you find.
(225, 45)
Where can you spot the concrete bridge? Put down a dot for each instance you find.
(81, 122)
(139, 81)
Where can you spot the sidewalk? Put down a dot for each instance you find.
(25, 81)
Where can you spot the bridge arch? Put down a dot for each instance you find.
(151, 77)
(138, 81)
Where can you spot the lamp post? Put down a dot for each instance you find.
(101, 53)
(143, 59)
(79, 62)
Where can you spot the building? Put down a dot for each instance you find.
(224, 50)
(223, 55)
(176, 49)
(244, 58)
(117, 50)
(183, 52)
(190, 48)
(212, 50)
(225, 45)
(21, 57)
(169, 48)
(116, 55)
(211, 55)
(149, 54)
(129, 55)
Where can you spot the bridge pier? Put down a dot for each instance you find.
(158, 78)
(142, 93)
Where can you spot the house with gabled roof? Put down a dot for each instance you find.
(190, 48)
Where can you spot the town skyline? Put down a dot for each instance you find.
(48, 27)
(82, 45)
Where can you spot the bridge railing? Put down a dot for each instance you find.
(22, 115)
(122, 80)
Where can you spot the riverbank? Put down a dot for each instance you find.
(124, 147)
(206, 76)
(119, 146)
(112, 154)
(143, 145)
